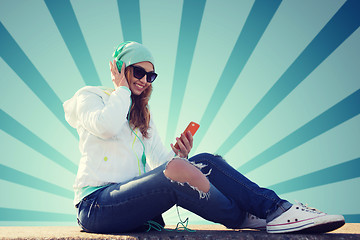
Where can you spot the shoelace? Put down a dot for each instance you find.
(183, 225)
(307, 208)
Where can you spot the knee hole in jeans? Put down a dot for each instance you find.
(180, 170)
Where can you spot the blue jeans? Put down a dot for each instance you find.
(124, 207)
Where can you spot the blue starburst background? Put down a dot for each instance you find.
(275, 86)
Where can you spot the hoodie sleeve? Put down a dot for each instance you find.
(156, 150)
(102, 118)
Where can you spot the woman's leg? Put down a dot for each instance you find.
(280, 214)
(127, 206)
(261, 202)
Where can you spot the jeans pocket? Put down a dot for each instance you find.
(86, 209)
(82, 226)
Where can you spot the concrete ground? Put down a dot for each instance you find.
(348, 231)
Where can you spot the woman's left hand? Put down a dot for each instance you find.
(185, 143)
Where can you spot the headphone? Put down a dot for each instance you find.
(119, 64)
(117, 52)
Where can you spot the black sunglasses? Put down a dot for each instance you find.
(139, 73)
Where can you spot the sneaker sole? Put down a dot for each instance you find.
(323, 228)
(307, 228)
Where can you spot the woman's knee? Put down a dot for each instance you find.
(180, 170)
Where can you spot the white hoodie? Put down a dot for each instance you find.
(110, 152)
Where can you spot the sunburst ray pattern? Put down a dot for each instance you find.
(275, 86)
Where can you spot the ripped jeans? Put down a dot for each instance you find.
(124, 207)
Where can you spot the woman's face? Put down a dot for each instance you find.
(137, 86)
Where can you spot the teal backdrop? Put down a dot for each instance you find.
(275, 86)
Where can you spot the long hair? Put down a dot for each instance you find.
(139, 111)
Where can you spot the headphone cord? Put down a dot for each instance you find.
(180, 227)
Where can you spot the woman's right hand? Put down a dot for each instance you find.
(117, 77)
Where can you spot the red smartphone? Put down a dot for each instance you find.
(192, 127)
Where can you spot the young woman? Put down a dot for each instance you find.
(126, 177)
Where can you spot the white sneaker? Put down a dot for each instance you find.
(300, 218)
(253, 222)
